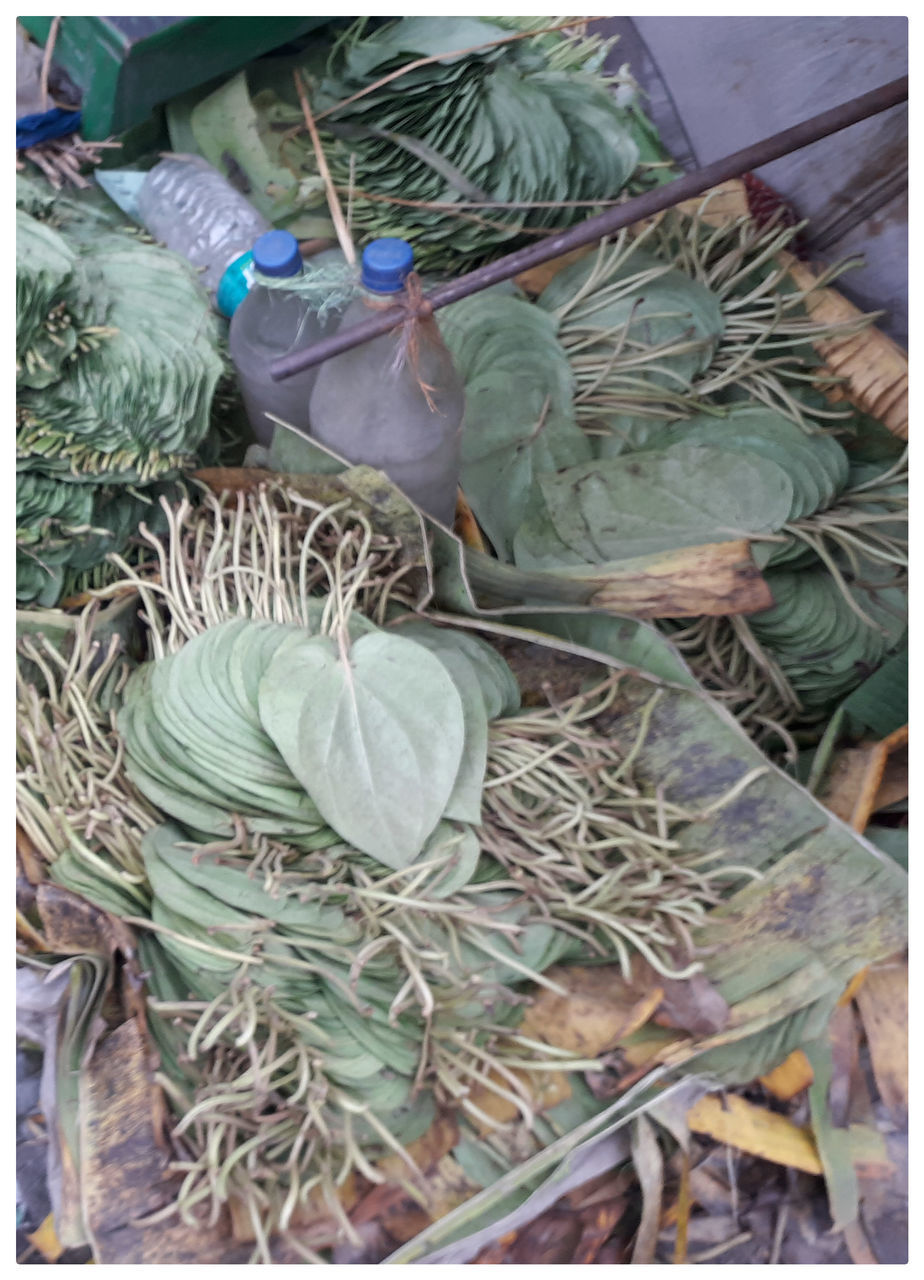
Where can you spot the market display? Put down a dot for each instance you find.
(354, 791)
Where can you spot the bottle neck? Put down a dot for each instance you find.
(382, 301)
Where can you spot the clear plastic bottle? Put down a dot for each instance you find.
(270, 323)
(191, 208)
(396, 402)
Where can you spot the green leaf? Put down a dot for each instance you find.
(832, 1140)
(519, 417)
(499, 689)
(891, 840)
(228, 132)
(464, 803)
(880, 704)
(374, 734)
(622, 507)
(816, 464)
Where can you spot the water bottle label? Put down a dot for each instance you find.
(235, 284)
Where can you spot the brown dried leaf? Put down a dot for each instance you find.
(535, 279)
(649, 1165)
(894, 784)
(550, 1239)
(497, 1251)
(124, 1167)
(73, 926)
(442, 1186)
(715, 579)
(853, 783)
(608, 1186)
(598, 1225)
(883, 1005)
(466, 526)
(688, 1004)
(875, 367)
(599, 1011)
(844, 1036)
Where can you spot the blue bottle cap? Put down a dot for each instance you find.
(235, 284)
(276, 253)
(386, 265)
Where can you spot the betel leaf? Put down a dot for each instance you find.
(519, 414)
(880, 704)
(499, 689)
(464, 803)
(617, 508)
(374, 734)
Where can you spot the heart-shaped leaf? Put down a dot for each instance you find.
(374, 734)
(655, 501)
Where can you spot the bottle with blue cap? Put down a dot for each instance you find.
(272, 321)
(190, 207)
(396, 402)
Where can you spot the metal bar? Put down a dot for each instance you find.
(604, 224)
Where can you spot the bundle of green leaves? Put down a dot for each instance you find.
(117, 361)
(306, 718)
(528, 125)
(682, 317)
(346, 846)
(664, 392)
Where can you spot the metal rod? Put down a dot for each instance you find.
(604, 224)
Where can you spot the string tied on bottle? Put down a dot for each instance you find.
(418, 320)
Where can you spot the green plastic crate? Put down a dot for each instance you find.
(126, 67)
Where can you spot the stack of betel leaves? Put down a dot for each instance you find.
(349, 852)
(519, 123)
(117, 361)
(281, 724)
(494, 129)
(664, 392)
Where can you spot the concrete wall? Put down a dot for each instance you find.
(720, 83)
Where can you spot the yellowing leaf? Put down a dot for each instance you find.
(45, 1239)
(750, 1128)
(853, 986)
(792, 1076)
(716, 578)
(759, 1132)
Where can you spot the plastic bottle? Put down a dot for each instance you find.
(192, 209)
(396, 402)
(271, 322)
